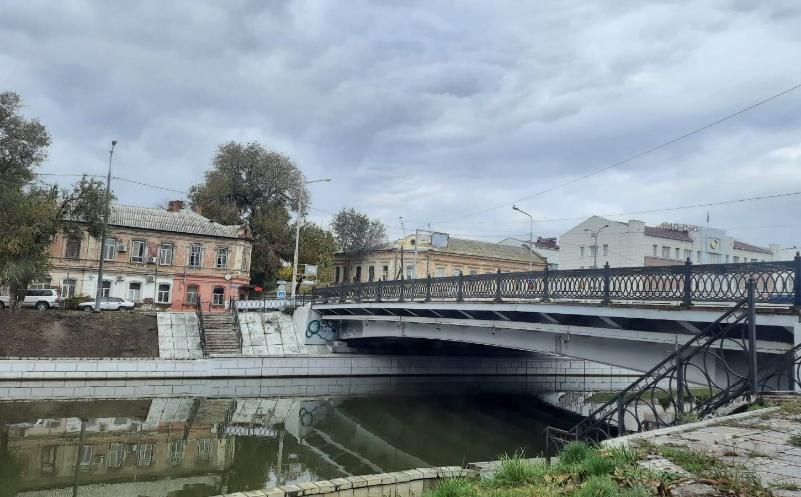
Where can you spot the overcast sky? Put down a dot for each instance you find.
(431, 110)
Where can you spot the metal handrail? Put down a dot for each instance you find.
(666, 385)
(775, 282)
(201, 330)
(232, 308)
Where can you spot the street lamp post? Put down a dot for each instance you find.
(103, 231)
(594, 234)
(297, 236)
(530, 237)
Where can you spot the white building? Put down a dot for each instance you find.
(597, 241)
(547, 248)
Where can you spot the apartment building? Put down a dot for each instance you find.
(169, 258)
(596, 241)
(437, 254)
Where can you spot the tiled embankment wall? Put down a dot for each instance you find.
(293, 366)
(303, 387)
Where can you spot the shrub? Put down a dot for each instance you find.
(598, 465)
(599, 486)
(575, 453)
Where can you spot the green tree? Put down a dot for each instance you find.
(249, 184)
(355, 233)
(317, 247)
(31, 215)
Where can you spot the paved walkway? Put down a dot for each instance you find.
(761, 442)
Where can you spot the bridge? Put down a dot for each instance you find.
(626, 317)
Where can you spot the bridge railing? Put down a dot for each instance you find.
(775, 283)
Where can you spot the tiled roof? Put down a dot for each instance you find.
(162, 220)
(485, 249)
(738, 245)
(681, 236)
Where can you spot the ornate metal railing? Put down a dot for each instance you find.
(232, 308)
(711, 370)
(775, 282)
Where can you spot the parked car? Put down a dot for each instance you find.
(40, 299)
(108, 304)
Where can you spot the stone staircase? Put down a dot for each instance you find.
(220, 332)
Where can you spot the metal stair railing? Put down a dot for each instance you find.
(232, 308)
(662, 395)
(201, 330)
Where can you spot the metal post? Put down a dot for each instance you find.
(401, 288)
(607, 299)
(498, 285)
(428, 289)
(103, 233)
(359, 290)
(545, 283)
(460, 288)
(621, 415)
(297, 243)
(342, 292)
(752, 350)
(687, 301)
(378, 291)
(679, 384)
(797, 282)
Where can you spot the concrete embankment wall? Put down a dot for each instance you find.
(295, 366)
(303, 387)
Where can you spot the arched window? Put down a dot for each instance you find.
(192, 294)
(163, 295)
(218, 296)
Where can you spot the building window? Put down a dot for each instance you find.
(473, 272)
(606, 249)
(145, 455)
(656, 248)
(385, 272)
(165, 254)
(688, 254)
(245, 260)
(192, 294)
(49, 458)
(203, 450)
(109, 249)
(698, 257)
(175, 452)
(73, 248)
(336, 274)
(581, 251)
(68, 288)
(85, 453)
(218, 296)
(163, 294)
(440, 272)
(457, 272)
(358, 277)
(105, 289)
(753, 260)
(593, 250)
(371, 273)
(222, 257)
(116, 455)
(666, 252)
(135, 291)
(195, 255)
(727, 258)
(736, 258)
(138, 248)
(678, 253)
(41, 283)
(409, 272)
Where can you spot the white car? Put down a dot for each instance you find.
(108, 304)
(40, 299)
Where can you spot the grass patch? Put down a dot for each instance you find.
(795, 440)
(575, 453)
(453, 487)
(785, 485)
(687, 417)
(514, 470)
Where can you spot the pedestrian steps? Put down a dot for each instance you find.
(220, 333)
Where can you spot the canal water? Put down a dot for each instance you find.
(207, 446)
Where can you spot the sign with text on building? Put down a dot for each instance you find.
(309, 270)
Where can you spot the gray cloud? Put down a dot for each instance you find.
(430, 110)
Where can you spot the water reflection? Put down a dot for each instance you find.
(199, 447)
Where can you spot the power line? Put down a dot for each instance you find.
(641, 154)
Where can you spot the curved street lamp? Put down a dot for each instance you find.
(594, 234)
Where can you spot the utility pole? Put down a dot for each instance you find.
(103, 231)
(416, 242)
(297, 235)
(530, 237)
(594, 234)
